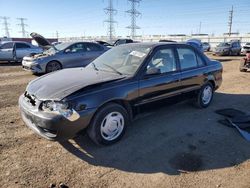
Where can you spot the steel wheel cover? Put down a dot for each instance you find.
(112, 126)
(207, 94)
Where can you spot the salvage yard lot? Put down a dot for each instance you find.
(172, 146)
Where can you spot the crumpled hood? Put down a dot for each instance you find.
(36, 56)
(58, 85)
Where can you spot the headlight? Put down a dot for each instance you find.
(62, 108)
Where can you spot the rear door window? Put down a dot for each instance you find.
(93, 47)
(187, 58)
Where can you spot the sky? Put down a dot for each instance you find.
(74, 18)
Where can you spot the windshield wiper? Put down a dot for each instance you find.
(94, 66)
(113, 69)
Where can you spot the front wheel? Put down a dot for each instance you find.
(205, 96)
(109, 124)
(53, 66)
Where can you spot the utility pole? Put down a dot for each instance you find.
(133, 14)
(23, 25)
(200, 28)
(230, 23)
(6, 25)
(110, 11)
(57, 35)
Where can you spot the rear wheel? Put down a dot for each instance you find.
(205, 95)
(53, 66)
(109, 124)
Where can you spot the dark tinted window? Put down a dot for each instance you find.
(22, 45)
(187, 58)
(7, 45)
(93, 47)
(164, 60)
(120, 41)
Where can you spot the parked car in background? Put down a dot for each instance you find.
(206, 46)
(122, 41)
(165, 40)
(195, 43)
(55, 43)
(104, 43)
(15, 50)
(245, 48)
(228, 48)
(64, 55)
(104, 96)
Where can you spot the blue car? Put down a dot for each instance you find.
(63, 55)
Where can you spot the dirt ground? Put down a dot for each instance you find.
(154, 148)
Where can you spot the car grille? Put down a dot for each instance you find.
(31, 99)
(247, 48)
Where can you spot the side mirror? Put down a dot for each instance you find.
(153, 71)
(67, 50)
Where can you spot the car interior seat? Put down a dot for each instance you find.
(188, 61)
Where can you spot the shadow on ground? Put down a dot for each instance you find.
(6, 63)
(172, 139)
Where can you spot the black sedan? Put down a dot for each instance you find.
(103, 97)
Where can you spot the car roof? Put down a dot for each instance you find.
(70, 43)
(154, 44)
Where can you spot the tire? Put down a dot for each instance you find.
(204, 101)
(243, 70)
(53, 66)
(111, 116)
(242, 67)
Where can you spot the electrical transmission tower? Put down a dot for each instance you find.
(230, 22)
(23, 25)
(110, 11)
(133, 14)
(6, 25)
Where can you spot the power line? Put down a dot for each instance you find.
(110, 11)
(23, 25)
(230, 23)
(133, 14)
(6, 25)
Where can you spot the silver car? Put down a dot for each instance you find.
(64, 55)
(206, 46)
(15, 50)
(245, 48)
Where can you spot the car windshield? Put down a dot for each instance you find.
(121, 59)
(57, 48)
(224, 44)
(248, 44)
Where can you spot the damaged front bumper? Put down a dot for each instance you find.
(31, 66)
(52, 126)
